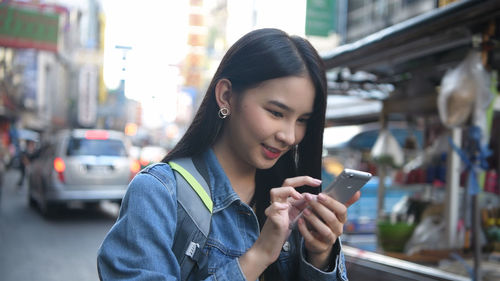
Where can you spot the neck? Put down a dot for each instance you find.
(240, 175)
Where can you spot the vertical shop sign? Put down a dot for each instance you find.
(87, 96)
(321, 17)
(28, 28)
(27, 61)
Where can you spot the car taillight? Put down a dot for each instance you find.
(59, 167)
(143, 162)
(135, 167)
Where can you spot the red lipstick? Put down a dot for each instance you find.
(271, 153)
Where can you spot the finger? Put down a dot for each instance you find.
(332, 205)
(306, 233)
(303, 202)
(302, 180)
(275, 207)
(311, 238)
(330, 212)
(281, 194)
(353, 199)
(323, 231)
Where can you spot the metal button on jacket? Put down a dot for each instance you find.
(286, 246)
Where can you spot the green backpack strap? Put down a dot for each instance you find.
(194, 213)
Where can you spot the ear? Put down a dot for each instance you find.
(223, 93)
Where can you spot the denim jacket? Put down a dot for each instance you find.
(138, 246)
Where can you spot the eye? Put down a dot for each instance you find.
(275, 113)
(303, 120)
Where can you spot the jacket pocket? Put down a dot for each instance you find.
(219, 254)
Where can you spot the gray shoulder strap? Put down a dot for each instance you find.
(193, 193)
(194, 213)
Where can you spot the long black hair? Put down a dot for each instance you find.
(258, 56)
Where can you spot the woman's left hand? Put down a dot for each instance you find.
(321, 225)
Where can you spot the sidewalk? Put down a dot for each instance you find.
(362, 250)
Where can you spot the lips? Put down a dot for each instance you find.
(271, 152)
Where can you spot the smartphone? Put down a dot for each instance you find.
(343, 187)
(346, 184)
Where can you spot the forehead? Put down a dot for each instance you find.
(295, 92)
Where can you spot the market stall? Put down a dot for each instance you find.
(456, 167)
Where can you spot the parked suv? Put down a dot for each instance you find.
(81, 165)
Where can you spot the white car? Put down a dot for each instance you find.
(81, 165)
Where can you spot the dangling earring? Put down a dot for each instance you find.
(223, 112)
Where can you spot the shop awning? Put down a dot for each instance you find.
(414, 55)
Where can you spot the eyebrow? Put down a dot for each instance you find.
(286, 107)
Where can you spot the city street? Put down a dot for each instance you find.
(93, 91)
(60, 248)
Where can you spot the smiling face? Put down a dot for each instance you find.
(268, 120)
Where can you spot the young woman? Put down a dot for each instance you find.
(259, 131)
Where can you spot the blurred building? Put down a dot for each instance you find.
(53, 80)
(34, 73)
(83, 55)
(365, 17)
(194, 65)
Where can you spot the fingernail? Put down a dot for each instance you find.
(321, 197)
(317, 181)
(308, 197)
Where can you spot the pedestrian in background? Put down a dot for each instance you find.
(3, 153)
(26, 156)
(259, 132)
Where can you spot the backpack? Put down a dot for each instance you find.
(194, 213)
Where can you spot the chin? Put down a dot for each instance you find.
(266, 164)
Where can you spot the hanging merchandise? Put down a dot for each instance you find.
(464, 97)
(429, 234)
(387, 150)
(465, 94)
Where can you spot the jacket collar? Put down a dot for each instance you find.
(220, 187)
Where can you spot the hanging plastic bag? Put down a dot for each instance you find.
(429, 234)
(465, 93)
(387, 150)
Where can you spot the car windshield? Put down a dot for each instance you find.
(108, 147)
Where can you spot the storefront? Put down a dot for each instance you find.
(452, 181)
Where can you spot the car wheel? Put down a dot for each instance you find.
(31, 201)
(47, 209)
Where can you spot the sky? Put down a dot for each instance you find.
(157, 32)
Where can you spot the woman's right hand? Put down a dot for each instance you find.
(276, 229)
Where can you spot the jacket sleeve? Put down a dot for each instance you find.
(308, 272)
(138, 246)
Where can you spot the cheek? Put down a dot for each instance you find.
(256, 121)
(300, 132)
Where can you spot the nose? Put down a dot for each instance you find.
(286, 134)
